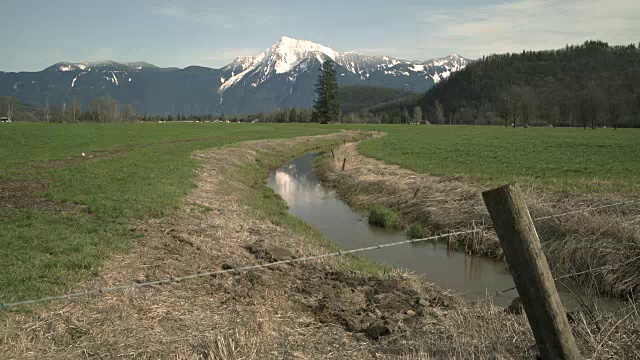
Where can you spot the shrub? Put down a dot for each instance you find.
(417, 231)
(384, 217)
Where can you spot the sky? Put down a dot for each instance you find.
(38, 33)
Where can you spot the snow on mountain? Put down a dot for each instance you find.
(282, 76)
(103, 66)
(295, 56)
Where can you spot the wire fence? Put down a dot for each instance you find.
(232, 270)
(172, 279)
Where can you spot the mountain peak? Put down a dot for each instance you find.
(288, 52)
(292, 57)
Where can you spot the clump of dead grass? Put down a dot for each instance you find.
(600, 249)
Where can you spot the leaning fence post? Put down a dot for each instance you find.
(344, 163)
(333, 155)
(523, 252)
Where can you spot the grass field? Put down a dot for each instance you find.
(62, 214)
(604, 160)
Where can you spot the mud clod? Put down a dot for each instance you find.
(376, 331)
(268, 253)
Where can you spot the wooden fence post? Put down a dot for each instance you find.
(531, 273)
(344, 163)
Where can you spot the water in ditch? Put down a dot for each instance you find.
(472, 276)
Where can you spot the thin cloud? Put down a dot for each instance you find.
(534, 24)
(215, 18)
(168, 11)
(221, 13)
(227, 55)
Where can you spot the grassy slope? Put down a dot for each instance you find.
(44, 252)
(560, 159)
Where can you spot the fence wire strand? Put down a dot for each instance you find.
(224, 271)
(173, 279)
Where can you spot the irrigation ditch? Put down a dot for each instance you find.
(331, 306)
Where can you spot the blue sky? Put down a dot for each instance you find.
(38, 33)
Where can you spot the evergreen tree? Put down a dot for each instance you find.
(326, 107)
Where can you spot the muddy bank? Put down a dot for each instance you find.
(309, 310)
(606, 240)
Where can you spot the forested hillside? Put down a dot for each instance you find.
(360, 97)
(589, 85)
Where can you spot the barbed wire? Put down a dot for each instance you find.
(490, 226)
(587, 210)
(4, 306)
(562, 277)
(224, 271)
(573, 213)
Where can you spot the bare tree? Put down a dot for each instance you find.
(417, 115)
(107, 109)
(75, 109)
(438, 113)
(11, 104)
(592, 105)
(95, 109)
(527, 103)
(514, 99)
(129, 114)
(46, 110)
(506, 108)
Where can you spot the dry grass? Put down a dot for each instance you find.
(306, 311)
(603, 246)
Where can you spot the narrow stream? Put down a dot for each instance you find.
(472, 276)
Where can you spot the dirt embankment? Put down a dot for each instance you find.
(602, 245)
(306, 310)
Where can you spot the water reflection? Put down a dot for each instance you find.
(307, 198)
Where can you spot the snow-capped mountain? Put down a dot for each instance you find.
(292, 56)
(281, 76)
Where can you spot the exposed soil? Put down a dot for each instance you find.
(305, 311)
(29, 194)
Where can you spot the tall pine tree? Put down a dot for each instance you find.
(326, 107)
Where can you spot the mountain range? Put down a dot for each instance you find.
(280, 77)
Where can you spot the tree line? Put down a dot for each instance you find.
(351, 104)
(590, 85)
